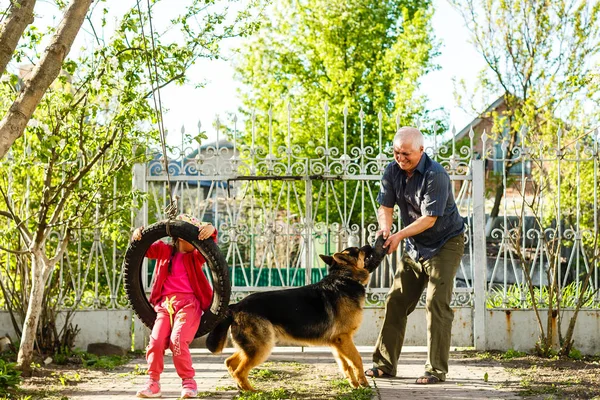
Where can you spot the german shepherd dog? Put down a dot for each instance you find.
(325, 313)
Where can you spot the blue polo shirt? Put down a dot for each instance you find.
(427, 192)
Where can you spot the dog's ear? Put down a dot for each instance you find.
(327, 259)
(342, 258)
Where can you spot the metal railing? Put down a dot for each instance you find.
(278, 205)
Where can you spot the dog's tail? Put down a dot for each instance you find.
(218, 337)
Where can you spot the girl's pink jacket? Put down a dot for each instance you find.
(193, 262)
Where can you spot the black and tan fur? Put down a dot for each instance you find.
(325, 313)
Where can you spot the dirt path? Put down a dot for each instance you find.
(311, 373)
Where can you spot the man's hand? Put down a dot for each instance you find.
(137, 234)
(393, 242)
(206, 231)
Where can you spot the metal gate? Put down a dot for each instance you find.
(277, 209)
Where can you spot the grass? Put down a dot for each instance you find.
(67, 379)
(507, 355)
(275, 394)
(510, 354)
(137, 371)
(345, 391)
(225, 388)
(10, 377)
(283, 380)
(89, 360)
(294, 364)
(108, 363)
(265, 374)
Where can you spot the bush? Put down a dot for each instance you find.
(9, 377)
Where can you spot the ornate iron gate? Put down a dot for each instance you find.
(276, 209)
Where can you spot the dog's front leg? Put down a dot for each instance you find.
(344, 367)
(347, 351)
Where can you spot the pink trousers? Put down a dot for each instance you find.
(177, 321)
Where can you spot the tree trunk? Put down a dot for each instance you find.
(14, 122)
(21, 15)
(40, 272)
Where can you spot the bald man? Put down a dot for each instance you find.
(434, 245)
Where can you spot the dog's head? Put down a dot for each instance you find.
(357, 262)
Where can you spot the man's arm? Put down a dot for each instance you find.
(419, 225)
(384, 218)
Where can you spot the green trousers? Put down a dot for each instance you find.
(437, 275)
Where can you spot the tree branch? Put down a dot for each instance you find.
(14, 122)
(25, 234)
(21, 15)
(60, 250)
(80, 174)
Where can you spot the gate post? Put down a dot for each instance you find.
(479, 256)
(141, 334)
(308, 232)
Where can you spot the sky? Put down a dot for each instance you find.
(458, 59)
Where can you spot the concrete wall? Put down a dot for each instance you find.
(518, 329)
(97, 326)
(416, 328)
(6, 326)
(505, 329)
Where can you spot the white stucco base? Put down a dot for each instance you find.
(96, 326)
(519, 330)
(416, 328)
(505, 329)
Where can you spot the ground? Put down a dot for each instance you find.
(314, 375)
(542, 377)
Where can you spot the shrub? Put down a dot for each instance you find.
(9, 377)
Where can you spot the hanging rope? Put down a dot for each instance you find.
(136, 252)
(171, 209)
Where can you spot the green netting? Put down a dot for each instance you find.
(245, 276)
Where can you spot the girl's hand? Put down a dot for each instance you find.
(137, 234)
(206, 231)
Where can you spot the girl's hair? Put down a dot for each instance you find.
(173, 251)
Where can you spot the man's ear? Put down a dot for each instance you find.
(328, 259)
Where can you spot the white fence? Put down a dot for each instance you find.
(279, 203)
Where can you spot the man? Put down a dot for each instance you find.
(434, 246)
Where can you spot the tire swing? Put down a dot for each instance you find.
(215, 261)
(136, 251)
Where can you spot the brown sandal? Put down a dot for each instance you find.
(377, 373)
(427, 379)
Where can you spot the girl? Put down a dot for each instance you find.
(180, 294)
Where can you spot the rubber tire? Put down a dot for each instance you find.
(132, 266)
